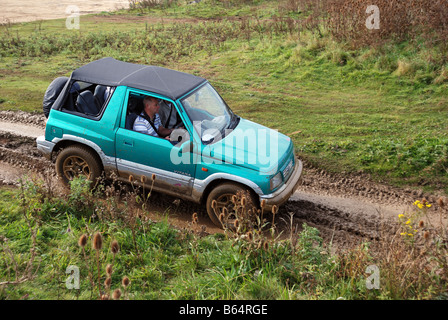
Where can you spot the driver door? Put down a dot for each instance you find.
(139, 154)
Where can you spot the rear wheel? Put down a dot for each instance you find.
(220, 200)
(75, 161)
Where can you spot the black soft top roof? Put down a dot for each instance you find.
(110, 72)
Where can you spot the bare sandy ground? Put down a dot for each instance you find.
(13, 11)
(19, 129)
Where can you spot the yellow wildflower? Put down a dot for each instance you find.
(422, 204)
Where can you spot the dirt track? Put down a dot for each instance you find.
(14, 11)
(344, 209)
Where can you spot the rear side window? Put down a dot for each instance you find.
(87, 99)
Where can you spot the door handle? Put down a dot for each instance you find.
(128, 143)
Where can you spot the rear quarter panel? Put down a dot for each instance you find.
(100, 131)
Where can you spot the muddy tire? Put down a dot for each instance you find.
(78, 160)
(223, 194)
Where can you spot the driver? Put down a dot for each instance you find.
(148, 122)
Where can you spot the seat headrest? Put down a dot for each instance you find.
(99, 94)
(86, 103)
(135, 105)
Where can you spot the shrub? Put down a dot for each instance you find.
(399, 20)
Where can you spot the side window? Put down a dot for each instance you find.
(168, 117)
(87, 98)
(168, 114)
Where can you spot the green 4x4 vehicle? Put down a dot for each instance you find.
(211, 153)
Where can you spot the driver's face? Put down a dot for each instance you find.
(153, 106)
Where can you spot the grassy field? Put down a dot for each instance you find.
(121, 254)
(162, 263)
(375, 109)
(378, 109)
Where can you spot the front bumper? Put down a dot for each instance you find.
(282, 195)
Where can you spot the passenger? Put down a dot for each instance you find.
(148, 122)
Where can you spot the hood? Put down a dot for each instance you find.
(253, 146)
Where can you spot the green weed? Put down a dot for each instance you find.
(160, 262)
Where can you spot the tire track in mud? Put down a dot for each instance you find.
(344, 209)
(21, 154)
(340, 228)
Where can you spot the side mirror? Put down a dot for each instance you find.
(208, 138)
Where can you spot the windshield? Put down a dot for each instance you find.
(208, 112)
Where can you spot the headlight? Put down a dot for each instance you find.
(276, 180)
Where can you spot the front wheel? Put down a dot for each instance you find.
(225, 201)
(75, 161)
